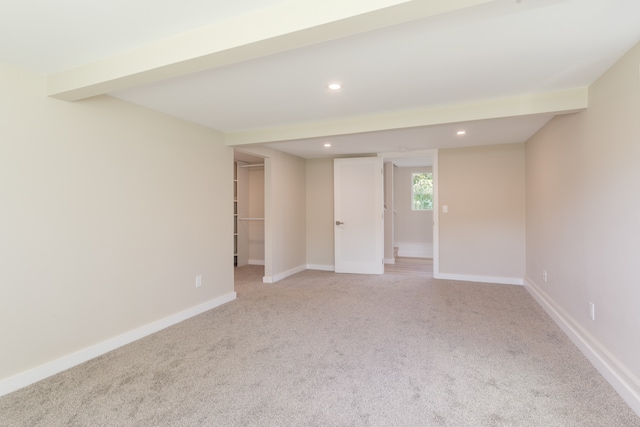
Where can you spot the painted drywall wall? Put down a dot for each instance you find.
(482, 236)
(320, 233)
(256, 210)
(413, 230)
(582, 219)
(389, 257)
(242, 206)
(108, 212)
(285, 212)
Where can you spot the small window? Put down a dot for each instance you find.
(422, 191)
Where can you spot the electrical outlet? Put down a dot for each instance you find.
(544, 275)
(592, 311)
(198, 281)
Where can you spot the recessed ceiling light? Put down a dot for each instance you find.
(327, 145)
(334, 86)
(462, 132)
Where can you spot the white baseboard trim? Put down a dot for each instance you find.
(284, 275)
(41, 372)
(255, 262)
(618, 376)
(480, 279)
(414, 250)
(321, 267)
(389, 260)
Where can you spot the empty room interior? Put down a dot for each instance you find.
(144, 146)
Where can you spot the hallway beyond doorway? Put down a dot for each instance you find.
(405, 266)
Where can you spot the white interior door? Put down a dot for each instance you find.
(358, 215)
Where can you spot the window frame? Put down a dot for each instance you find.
(413, 193)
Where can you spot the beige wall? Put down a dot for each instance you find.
(413, 230)
(320, 226)
(389, 169)
(483, 234)
(242, 205)
(256, 210)
(108, 212)
(583, 215)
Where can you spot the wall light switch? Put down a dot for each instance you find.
(198, 281)
(445, 208)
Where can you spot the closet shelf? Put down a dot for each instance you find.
(251, 219)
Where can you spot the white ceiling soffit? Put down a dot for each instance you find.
(479, 132)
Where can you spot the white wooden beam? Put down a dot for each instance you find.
(561, 102)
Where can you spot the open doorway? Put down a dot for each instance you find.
(249, 210)
(411, 216)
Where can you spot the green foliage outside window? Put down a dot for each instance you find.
(422, 192)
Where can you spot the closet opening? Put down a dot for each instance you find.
(248, 210)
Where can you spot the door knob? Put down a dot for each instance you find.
(339, 223)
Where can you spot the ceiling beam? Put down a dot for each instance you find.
(288, 25)
(561, 102)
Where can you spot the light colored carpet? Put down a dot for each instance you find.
(322, 349)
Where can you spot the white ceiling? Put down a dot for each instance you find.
(50, 36)
(479, 53)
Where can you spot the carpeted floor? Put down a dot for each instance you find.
(324, 349)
